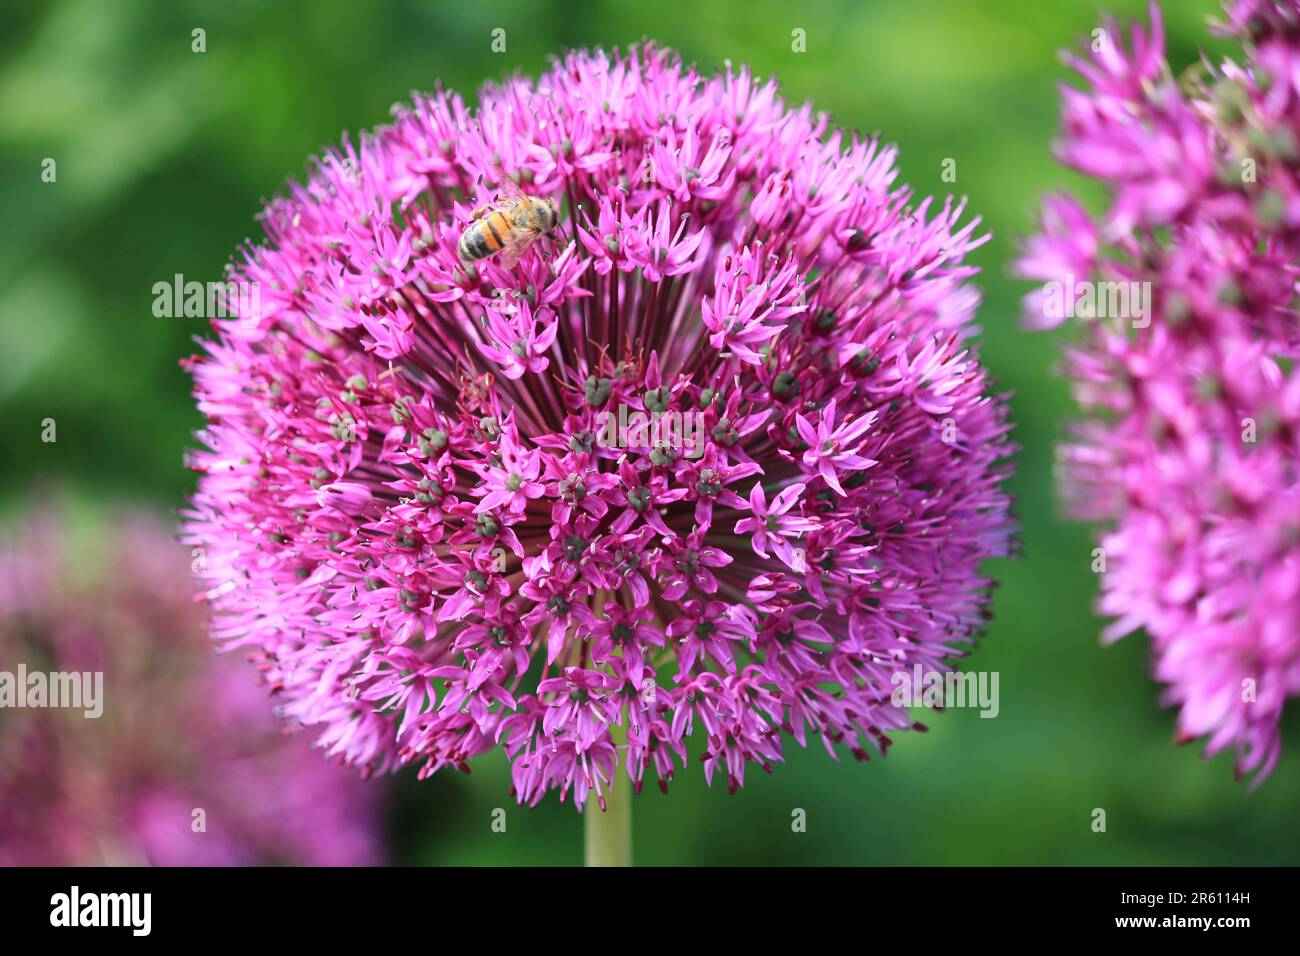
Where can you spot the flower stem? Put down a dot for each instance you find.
(609, 833)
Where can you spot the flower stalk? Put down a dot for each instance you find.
(608, 831)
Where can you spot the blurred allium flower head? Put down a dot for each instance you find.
(1187, 448)
(416, 518)
(181, 729)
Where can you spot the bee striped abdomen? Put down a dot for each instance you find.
(484, 237)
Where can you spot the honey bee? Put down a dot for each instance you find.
(508, 226)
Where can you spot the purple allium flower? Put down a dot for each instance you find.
(510, 576)
(1187, 449)
(179, 729)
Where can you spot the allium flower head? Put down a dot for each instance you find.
(184, 765)
(1187, 449)
(426, 518)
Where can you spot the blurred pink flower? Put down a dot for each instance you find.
(1187, 450)
(186, 765)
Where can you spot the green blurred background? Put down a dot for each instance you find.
(164, 156)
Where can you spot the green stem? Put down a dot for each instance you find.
(609, 832)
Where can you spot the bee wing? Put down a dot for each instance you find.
(510, 189)
(514, 246)
(500, 197)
